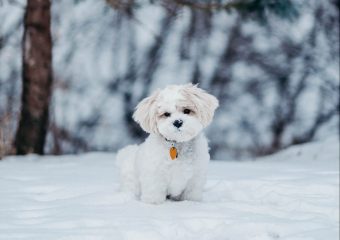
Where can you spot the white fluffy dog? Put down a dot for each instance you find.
(172, 162)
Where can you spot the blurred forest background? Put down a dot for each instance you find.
(274, 66)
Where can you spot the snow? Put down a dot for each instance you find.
(291, 195)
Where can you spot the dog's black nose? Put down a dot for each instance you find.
(178, 123)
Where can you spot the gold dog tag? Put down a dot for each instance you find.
(173, 153)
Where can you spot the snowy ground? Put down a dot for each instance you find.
(291, 195)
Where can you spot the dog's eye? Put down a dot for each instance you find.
(186, 111)
(166, 114)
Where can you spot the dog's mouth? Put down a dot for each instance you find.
(167, 139)
(177, 134)
(174, 137)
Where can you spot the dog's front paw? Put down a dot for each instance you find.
(153, 199)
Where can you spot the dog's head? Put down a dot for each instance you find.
(178, 112)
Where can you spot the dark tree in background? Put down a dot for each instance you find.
(37, 78)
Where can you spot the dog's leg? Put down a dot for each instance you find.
(194, 189)
(153, 197)
(153, 189)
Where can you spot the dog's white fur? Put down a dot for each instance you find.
(147, 170)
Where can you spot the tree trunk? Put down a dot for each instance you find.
(37, 79)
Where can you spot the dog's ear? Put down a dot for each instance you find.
(204, 102)
(146, 113)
